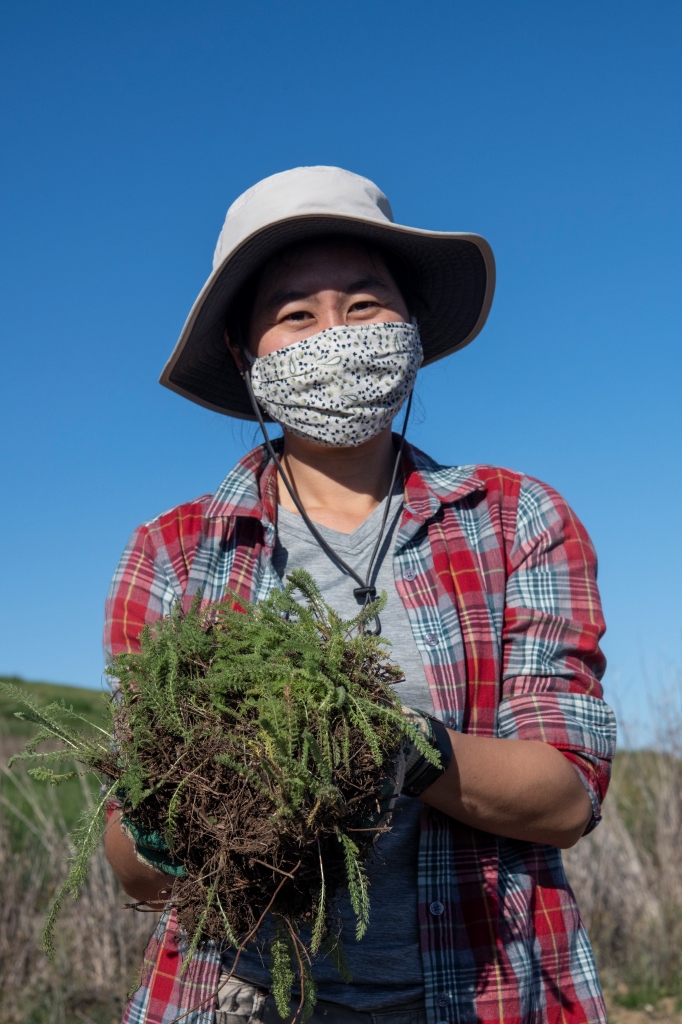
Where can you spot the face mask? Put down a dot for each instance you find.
(342, 386)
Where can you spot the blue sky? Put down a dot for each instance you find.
(552, 129)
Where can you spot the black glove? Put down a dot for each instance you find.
(419, 772)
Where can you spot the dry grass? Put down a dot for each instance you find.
(99, 945)
(627, 876)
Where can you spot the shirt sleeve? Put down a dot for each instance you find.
(143, 589)
(553, 665)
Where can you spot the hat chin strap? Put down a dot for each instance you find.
(364, 589)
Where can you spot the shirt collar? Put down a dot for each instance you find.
(429, 485)
(250, 489)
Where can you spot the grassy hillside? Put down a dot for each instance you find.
(23, 800)
(99, 944)
(90, 703)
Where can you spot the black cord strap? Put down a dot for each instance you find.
(364, 588)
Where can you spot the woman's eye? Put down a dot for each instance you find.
(364, 305)
(297, 316)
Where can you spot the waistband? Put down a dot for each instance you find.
(242, 1003)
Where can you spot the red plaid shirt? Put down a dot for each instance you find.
(498, 578)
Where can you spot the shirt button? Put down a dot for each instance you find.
(409, 574)
(436, 908)
(431, 639)
(443, 999)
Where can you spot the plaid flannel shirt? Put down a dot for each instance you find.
(498, 578)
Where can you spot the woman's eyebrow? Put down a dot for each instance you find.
(363, 283)
(284, 295)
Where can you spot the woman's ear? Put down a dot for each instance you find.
(235, 352)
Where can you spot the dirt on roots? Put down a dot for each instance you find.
(231, 836)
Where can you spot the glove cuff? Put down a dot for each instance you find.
(420, 773)
(151, 849)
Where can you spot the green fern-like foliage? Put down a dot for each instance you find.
(254, 739)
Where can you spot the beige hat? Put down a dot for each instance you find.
(455, 272)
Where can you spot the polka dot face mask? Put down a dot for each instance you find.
(342, 386)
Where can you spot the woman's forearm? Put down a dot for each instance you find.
(521, 789)
(137, 879)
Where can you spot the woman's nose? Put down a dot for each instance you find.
(333, 313)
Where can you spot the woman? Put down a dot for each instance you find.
(317, 316)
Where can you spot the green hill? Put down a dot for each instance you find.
(89, 703)
(28, 808)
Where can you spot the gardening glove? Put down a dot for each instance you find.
(151, 848)
(419, 773)
(411, 773)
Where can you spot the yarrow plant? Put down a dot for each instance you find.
(250, 744)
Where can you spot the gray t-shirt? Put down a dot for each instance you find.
(297, 548)
(386, 965)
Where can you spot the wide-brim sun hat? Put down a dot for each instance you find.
(455, 272)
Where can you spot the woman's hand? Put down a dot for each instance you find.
(138, 880)
(520, 789)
